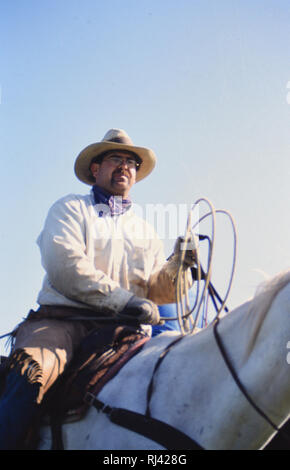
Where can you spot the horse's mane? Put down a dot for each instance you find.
(262, 301)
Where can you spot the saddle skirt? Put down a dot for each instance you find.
(98, 359)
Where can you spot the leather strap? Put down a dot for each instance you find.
(236, 378)
(167, 436)
(157, 365)
(243, 390)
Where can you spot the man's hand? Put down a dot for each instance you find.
(143, 310)
(190, 254)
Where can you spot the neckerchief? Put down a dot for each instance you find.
(117, 204)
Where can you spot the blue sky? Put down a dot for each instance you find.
(202, 82)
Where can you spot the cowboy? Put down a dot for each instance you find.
(101, 260)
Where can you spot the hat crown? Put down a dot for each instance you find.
(117, 135)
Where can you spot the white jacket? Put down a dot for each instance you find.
(100, 262)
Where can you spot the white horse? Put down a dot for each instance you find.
(193, 388)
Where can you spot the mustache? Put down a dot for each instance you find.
(120, 172)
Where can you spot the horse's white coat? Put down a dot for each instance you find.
(193, 388)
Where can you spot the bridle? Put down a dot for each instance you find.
(236, 377)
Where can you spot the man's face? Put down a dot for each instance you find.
(116, 173)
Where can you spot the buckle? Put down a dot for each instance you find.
(89, 398)
(92, 400)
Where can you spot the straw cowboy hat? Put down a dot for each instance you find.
(115, 139)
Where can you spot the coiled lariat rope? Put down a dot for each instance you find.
(190, 317)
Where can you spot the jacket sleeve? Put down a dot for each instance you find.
(69, 269)
(162, 282)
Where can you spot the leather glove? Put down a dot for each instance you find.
(190, 255)
(143, 310)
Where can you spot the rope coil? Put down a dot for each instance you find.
(189, 317)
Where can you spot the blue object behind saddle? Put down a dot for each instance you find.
(168, 310)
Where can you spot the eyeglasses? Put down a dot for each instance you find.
(117, 161)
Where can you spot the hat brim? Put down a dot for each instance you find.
(83, 161)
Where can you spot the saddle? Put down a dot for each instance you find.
(98, 359)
